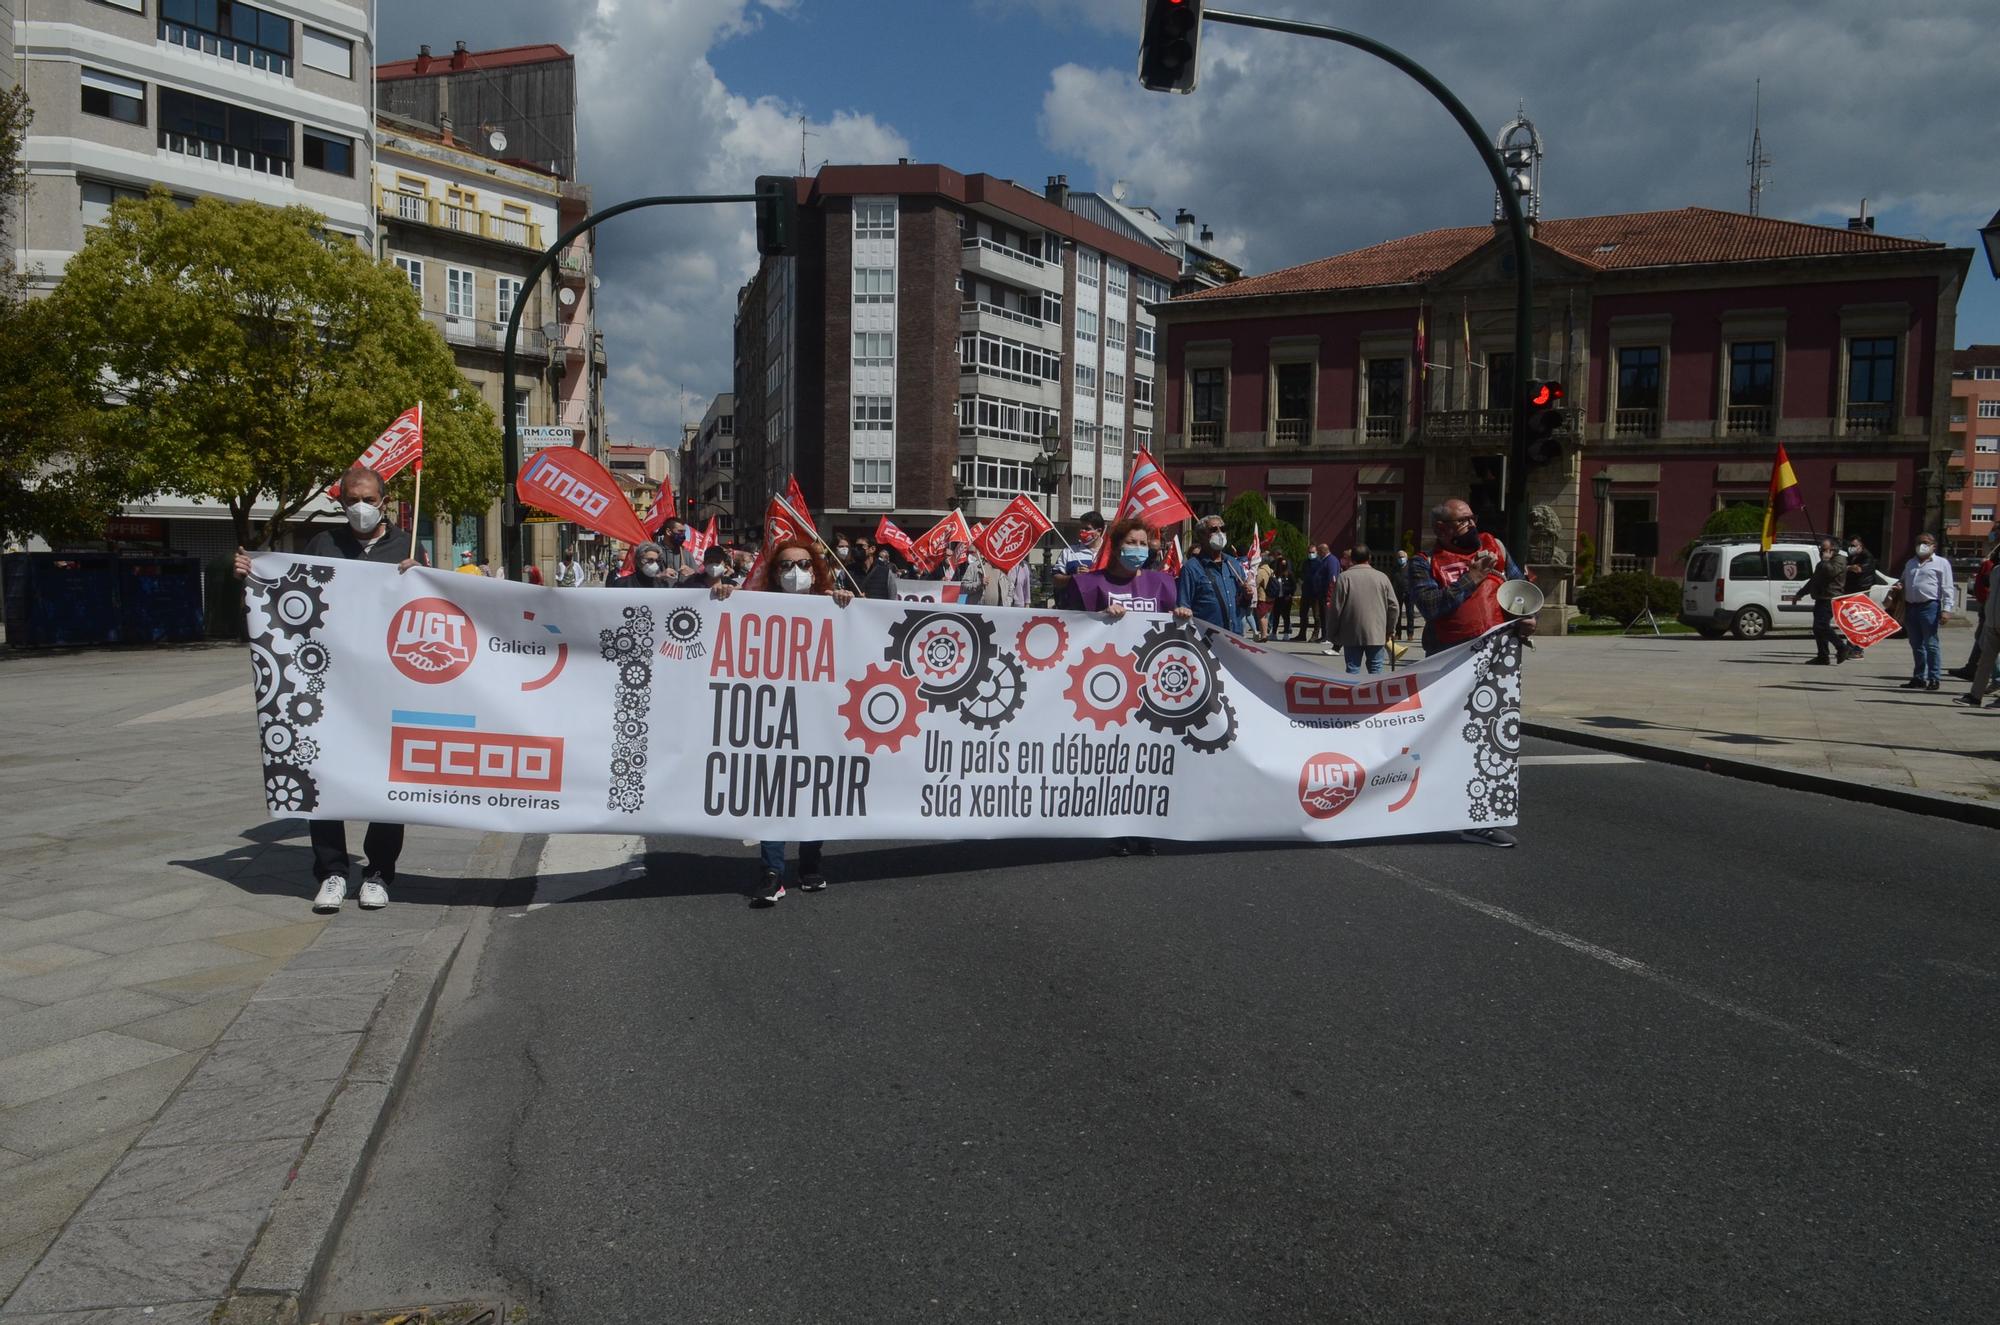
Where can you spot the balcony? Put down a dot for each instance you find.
(1868, 418)
(1205, 433)
(1461, 424)
(1005, 322)
(987, 380)
(1383, 427)
(1011, 265)
(225, 48)
(1747, 421)
(476, 333)
(1289, 432)
(242, 158)
(1636, 423)
(421, 209)
(572, 267)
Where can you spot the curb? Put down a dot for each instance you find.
(1977, 813)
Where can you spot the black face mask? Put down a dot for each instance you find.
(1466, 540)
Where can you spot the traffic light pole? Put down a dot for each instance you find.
(511, 542)
(1517, 224)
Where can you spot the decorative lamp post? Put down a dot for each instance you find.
(1050, 470)
(1600, 487)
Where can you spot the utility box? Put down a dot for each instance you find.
(75, 598)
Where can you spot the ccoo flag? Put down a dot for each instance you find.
(564, 481)
(1784, 497)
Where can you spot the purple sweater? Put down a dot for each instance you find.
(1148, 591)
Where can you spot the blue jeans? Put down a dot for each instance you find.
(1376, 654)
(774, 856)
(1920, 623)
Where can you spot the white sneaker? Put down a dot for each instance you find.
(331, 894)
(374, 893)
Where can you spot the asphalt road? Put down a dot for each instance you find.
(1698, 1050)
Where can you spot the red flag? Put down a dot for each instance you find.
(663, 508)
(1171, 558)
(564, 481)
(887, 534)
(929, 549)
(797, 501)
(400, 445)
(1012, 534)
(1149, 496)
(1423, 374)
(1862, 620)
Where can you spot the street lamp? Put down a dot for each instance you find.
(1600, 486)
(1050, 469)
(1989, 235)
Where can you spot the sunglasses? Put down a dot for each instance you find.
(794, 565)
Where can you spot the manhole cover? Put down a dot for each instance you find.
(452, 1313)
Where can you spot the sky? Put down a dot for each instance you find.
(1290, 148)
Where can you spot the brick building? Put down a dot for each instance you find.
(1691, 343)
(1972, 482)
(932, 330)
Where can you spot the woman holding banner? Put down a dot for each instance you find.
(790, 566)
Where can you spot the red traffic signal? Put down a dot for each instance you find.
(1168, 45)
(1545, 419)
(1545, 395)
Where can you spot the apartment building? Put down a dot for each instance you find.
(711, 486)
(1972, 468)
(1692, 342)
(935, 333)
(1189, 244)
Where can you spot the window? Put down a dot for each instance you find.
(1207, 387)
(1114, 282)
(98, 197)
(874, 414)
(725, 459)
(1114, 388)
(460, 297)
(874, 285)
(1752, 365)
(1986, 445)
(1986, 374)
(874, 220)
(993, 478)
(874, 349)
(1986, 478)
(1142, 438)
(1385, 390)
(1152, 291)
(326, 52)
(329, 152)
(1051, 307)
(413, 270)
(1086, 327)
(1086, 377)
(229, 29)
(1088, 265)
(115, 98)
(1989, 409)
(1086, 439)
(1009, 420)
(1871, 370)
(1142, 393)
(1791, 567)
(872, 481)
(1747, 566)
(1142, 341)
(1082, 488)
(216, 131)
(520, 411)
(1114, 334)
(506, 291)
(1639, 377)
(1982, 514)
(1112, 489)
(986, 353)
(1112, 441)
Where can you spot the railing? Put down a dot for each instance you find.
(572, 265)
(1206, 432)
(425, 210)
(994, 310)
(1869, 416)
(1289, 432)
(1748, 421)
(224, 48)
(977, 242)
(1383, 427)
(479, 333)
(408, 206)
(1447, 423)
(1621, 564)
(1636, 423)
(240, 157)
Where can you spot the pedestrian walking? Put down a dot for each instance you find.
(1928, 598)
(790, 567)
(1826, 583)
(1213, 585)
(1982, 585)
(365, 537)
(1986, 653)
(1362, 611)
(1284, 588)
(569, 572)
(1408, 613)
(1318, 583)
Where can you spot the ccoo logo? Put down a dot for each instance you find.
(432, 640)
(1329, 783)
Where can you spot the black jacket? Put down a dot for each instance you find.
(340, 541)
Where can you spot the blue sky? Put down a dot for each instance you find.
(1291, 149)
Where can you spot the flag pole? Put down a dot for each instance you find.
(417, 492)
(808, 525)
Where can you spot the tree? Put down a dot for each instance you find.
(1250, 509)
(254, 354)
(1740, 517)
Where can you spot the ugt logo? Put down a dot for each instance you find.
(1007, 534)
(1329, 784)
(432, 640)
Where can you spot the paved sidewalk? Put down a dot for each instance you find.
(173, 1017)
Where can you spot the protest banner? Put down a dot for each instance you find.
(429, 697)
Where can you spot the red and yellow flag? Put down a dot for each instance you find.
(1784, 497)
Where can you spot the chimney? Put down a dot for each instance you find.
(458, 57)
(902, 161)
(1863, 221)
(1207, 235)
(1057, 190)
(1184, 222)
(424, 58)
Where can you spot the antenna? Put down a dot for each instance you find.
(804, 134)
(1759, 163)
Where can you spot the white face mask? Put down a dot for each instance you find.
(1923, 549)
(362, 517)
(1218, 540)
(649, 567)
(796, 580)
(715, 570)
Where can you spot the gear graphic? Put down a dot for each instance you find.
(683, 624)
(311, 658)
(1216, 731)
(1042, 642)
(304, 710)
(289, 789)
(265, 675)
(1182, 686)
(946, 651)
(882, 708)
(1104, 687)
(279, 738)
(296, 607)
(998, 696)
(1506, 800)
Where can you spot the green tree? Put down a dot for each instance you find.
(58, 476)
(1250, 509)
(1739, 517)
(255, 354)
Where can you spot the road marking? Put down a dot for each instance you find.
(1633, 966)
(209, 706)
(1527, 760)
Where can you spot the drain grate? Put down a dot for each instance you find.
(451, 1313)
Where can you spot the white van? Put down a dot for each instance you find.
(1734, 585)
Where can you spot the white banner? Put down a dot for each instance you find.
(437, 698)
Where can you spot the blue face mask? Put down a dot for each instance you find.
(1135, 556)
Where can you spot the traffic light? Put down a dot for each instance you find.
(1545, 417)
(777, 216)
(1168, 44)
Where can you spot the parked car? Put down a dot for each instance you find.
(1735, 586)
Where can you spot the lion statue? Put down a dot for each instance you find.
(1545, 536)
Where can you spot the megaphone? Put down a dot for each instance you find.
(1520, 598)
